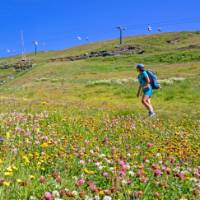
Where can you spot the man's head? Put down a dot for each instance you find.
(140, 67)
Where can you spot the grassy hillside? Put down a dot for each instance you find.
(69, 80)
(77, 127)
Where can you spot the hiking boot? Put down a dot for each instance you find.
(152, 114)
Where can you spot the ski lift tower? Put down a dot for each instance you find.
(121, 29)
(24, 63)
(22, 47)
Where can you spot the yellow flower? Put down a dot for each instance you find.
(32, 177)
(15, 168)
(36, 154)
(8, 135)
(101, 193)
(19, 181)
(42, 168)
(44, 103)
(129, 192)
(88, 171)
(37, 130)
(8, 173)
(44, 145)
(26, 160)
(9, 169)
(6, 183)
(30, 155)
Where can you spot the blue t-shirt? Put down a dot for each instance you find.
(142, 78)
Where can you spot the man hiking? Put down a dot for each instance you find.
(145, 85)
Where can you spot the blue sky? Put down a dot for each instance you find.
(57, 23)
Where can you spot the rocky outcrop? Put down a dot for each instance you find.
(189, 47)
(22, 65)
(174, 40)
(129, 49)
(5, 66)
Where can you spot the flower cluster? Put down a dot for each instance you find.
(52, 157)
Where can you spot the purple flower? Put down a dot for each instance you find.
(1, 140)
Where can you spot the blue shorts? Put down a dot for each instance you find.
(148, 92)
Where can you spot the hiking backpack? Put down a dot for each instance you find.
(153, 80)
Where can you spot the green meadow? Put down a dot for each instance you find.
(76, 130)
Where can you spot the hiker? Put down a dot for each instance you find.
(145, 85)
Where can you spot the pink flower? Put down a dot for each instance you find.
(155, 166)
(122, 173)
(197, 171)
(143, 179)
(106, 140)
(138, 194)
(87, 142)
(149, 145)
(167, 170)
(172, 159)
(140, 173)
(92, 186)
(105, 174)
(125, 167)
(48, 196)
(80, 182)
(157, 172)
(180, 175)
(129, 182)
(122, 163)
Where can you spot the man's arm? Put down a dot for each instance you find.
(139, 90)
(147, 82)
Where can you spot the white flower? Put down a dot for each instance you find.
(102, 155)
(75, 193)
(107, 198)
(91, 151)
(158, 155)
(124, 182)
(98, 163)
(185, 172)
(194, 179)
(111, 169)
(88, 198)
(128, 166)
(32, 198)
(82, 162)
(100, 167)
(75, 178)
(97, 197)
(55, 194)
(131, 173)
(108, 161)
